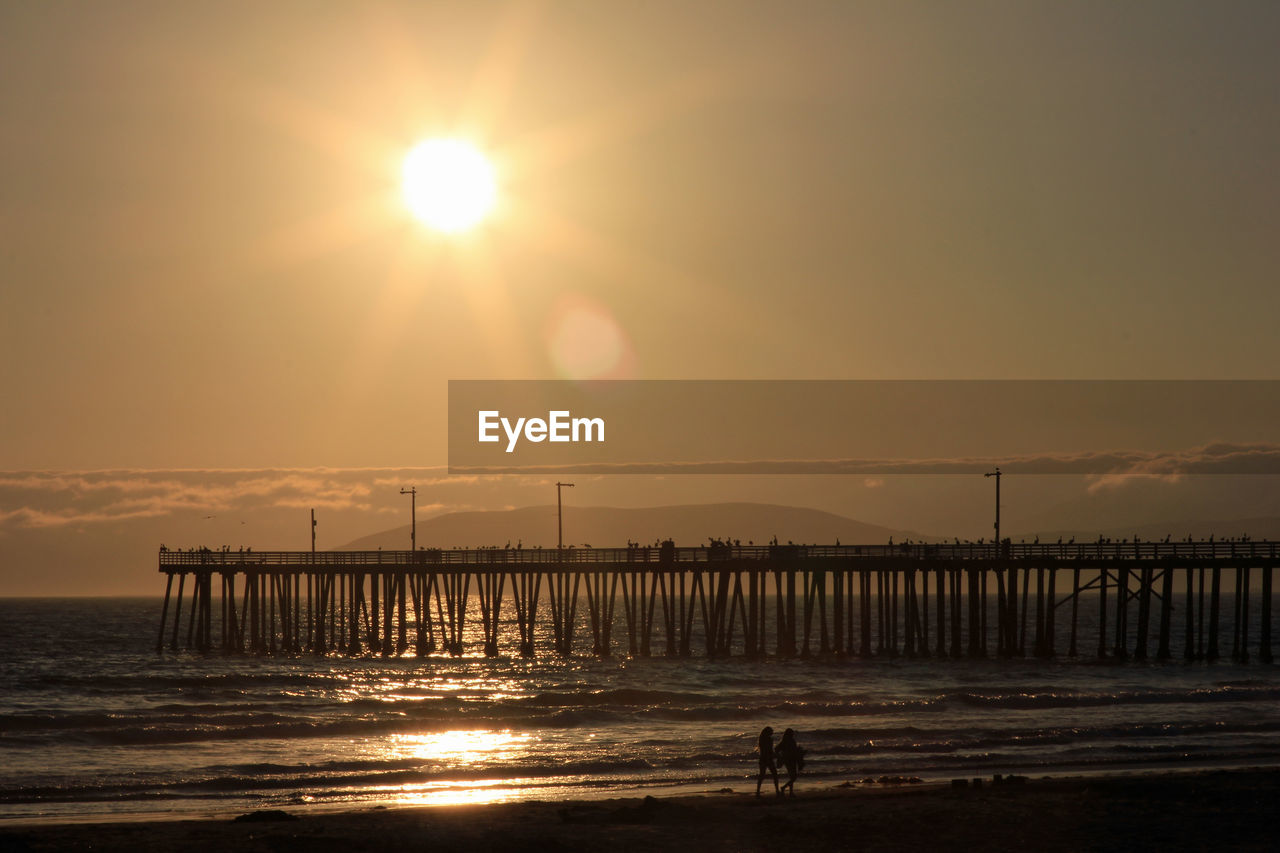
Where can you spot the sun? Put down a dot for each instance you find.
(448, 184)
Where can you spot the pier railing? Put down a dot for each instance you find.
(481, 557)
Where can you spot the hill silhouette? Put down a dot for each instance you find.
(604, 527)
(1255, 528)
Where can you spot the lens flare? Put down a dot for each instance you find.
(586, 342)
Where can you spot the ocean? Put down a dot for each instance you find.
(94, 724)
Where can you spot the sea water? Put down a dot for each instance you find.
(94, 723)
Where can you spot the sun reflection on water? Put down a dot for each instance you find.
(457, 750)
(380, 687)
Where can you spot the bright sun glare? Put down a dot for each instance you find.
(448, 184)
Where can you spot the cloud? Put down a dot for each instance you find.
(53, 499)
(61, 498)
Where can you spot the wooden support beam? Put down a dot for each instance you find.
(402, 639)
(909, 613)
(1163, 649)
(1022, 632)
(820, 588)
(982, 610)
(1051, 614)
(924, 613)
(164, 611)
(1011, 620)
(955, 612)
(1102, 612)
(1264, 626)
(837, 611)
(891, 579)
(1075, 608)
(630, 610)
(1215, 597)
(1144, 613)
(1039, 643)
(864, 610)
(489, 586)
(882, 613)
(975, 616)
(1244, 571)
(942, 611)
(1121, 648)
(354, 605)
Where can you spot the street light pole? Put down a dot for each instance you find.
(560, 516)
(412, 492)
(996, 474)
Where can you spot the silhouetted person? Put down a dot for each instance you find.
(767, 761)
(792, 758)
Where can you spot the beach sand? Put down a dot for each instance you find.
(1223, 810)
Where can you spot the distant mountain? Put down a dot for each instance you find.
(1255, 528)
(605, 527)
(1192, 506)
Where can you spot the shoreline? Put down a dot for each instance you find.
(869, 782)
(1223, 808)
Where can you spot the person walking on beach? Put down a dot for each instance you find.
(767, 762)
(792, 758)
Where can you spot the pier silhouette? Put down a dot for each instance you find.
(912, 599)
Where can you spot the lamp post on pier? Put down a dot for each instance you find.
(560, 515)
(996, 474)
(412, 492)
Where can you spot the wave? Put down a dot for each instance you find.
(359, 775)
(1235, 692)
(176, 722)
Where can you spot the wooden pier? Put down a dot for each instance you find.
(1148, 599)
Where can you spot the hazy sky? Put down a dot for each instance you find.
(206, 261)
(212, 293)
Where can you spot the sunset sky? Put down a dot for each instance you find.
(208, 262)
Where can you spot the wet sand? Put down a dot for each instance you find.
(1224, 810)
